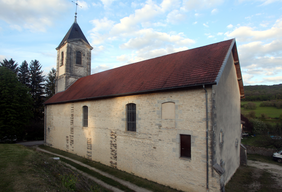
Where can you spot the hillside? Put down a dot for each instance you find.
(262, 92)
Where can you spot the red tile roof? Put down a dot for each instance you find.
(182, 69)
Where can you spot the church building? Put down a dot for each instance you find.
(174, 119)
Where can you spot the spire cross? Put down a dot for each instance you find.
(76, 4)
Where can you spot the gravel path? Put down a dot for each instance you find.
(276, 170)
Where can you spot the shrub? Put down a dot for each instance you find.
(251, 114)
(259, 127)
(263, 116)
(250, 105)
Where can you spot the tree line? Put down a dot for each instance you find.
(263, 92)
(23, 90)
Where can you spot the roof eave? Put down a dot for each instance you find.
(133, 93)
(233, 49)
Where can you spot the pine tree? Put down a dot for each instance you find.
(11, 64)
(37, 88)
(15, 104)
(50, 83)
(24, 75)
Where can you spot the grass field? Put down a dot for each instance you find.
(25, 170)
(269, 111)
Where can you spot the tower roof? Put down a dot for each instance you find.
(74, 33)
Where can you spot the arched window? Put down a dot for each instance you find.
(131, 116)
(78, 58)
(62, 58)
(85, 116)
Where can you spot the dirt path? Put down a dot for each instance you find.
(276, 170)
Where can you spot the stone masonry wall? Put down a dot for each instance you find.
(153, 151)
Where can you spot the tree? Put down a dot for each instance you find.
(15, 104)
(37, 88)
(11, 64)
(50, 83)
(24, 75)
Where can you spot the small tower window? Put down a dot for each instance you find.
(62, 58)
(78, 58)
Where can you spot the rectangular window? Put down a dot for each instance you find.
(131, 117)
(85, 116)
(185, 146)
(78, 58)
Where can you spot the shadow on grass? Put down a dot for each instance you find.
(115, 172)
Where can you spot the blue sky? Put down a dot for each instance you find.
(123, 32)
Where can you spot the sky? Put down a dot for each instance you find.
(123, 32)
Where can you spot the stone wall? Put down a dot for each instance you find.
(260, 150)
(153, 151)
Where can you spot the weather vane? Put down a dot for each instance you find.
(76, 4)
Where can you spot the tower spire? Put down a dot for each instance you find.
(75, 15)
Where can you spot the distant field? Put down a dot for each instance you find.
(269, 111)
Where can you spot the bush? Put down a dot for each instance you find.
(251, 114)
(259, 127)
(263, 116)
(267, 141)
(251, 106)
(273, 103)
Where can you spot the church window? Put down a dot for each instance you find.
(85, 116)
(185, 146)
(168, 110)
(62, 58)
(78, 58)
(131, 116)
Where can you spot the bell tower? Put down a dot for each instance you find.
(73, 58)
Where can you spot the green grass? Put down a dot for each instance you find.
(25, 170)
(265, 159)
(269, 111)
(245, 178)
(252, 141)
(98, 176)
(115, 172)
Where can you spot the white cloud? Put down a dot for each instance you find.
(219, 33)
(170, 4)
(107, 3)
(214, 11)
(123, 58)
(82, 5)
(153, 39)
(200, 4)
(16, 27)
(97, 4)
(230, 26)
(246, 33)
(267, 2)
(131, 23)
(32, 14)
(2, 57)
(175, 17)
(99, 68)
(274, 79)
(102, 24)
(205, 25)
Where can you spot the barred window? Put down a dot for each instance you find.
(78, 58)
(85, 116)
(62, 58)
(131, 116)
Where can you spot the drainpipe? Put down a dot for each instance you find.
(207, 137)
